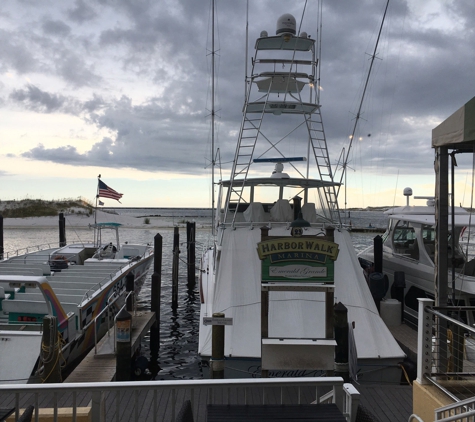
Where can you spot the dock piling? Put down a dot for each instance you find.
(50, 349)
(378, 254)
(130, 287)
(341, 337)
(123, 346)
(217, 349)
(175, 263)
(191, 256)
(2, 250)
(62, 230)
(155, 296)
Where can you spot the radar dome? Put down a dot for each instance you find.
(286, 24)
(407, 192)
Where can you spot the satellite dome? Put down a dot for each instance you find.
(407, 192)
(286, 24)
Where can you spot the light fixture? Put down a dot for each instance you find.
(300, 222)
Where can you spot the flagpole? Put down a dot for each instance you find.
(95, 209)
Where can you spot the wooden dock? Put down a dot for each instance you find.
(101, 367)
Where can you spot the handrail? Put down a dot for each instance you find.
(101, 396)
(115, 297)
(36, 248)
(452, 320)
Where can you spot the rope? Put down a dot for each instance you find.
(54, 348)
(405, 374)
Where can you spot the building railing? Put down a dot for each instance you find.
(463, 411)
(162, 400)
(446, 356)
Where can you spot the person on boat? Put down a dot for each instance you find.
(108, 251)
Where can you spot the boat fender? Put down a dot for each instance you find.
(140, 365)
(378, 285)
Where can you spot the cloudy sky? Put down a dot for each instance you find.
(121, 88)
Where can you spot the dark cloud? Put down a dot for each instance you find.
(81, 12)
(57, 28)
(37, 100)
(422, 74)
(15, 54)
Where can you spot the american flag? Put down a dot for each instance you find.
(107, 192)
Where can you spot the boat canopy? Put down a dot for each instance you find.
(458, 130)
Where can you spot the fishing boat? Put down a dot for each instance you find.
(83, 285)
(408, 247)
(279, 234)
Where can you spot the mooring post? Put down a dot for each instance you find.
(175, 263)
(341, 337)
(130, 287)
(217, 349)
(155, 299)
(62, 230)
(123, 364)
(378, 254)
(191, 245)
(50, 348)
(2, 250)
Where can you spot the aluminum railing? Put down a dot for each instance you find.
(444, 356)
(162, 400)
(463, 411)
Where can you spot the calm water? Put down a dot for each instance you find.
(179, 327)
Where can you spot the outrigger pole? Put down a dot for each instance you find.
(358, 114)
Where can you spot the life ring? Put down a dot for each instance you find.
(59, 262)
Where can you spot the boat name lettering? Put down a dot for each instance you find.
(297, 271)
(273, 246)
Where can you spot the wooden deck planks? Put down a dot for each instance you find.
(389, 403)
(101, 367)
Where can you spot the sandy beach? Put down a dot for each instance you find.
(83, 221)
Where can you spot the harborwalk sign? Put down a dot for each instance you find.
(288, 259)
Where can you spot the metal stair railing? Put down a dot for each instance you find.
(248, 135)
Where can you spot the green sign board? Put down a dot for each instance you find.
(290, 259)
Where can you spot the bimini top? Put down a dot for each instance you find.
(290, 181)
(105, 225)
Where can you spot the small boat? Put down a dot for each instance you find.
(262, 209)
(409, 247)
(83, 285)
